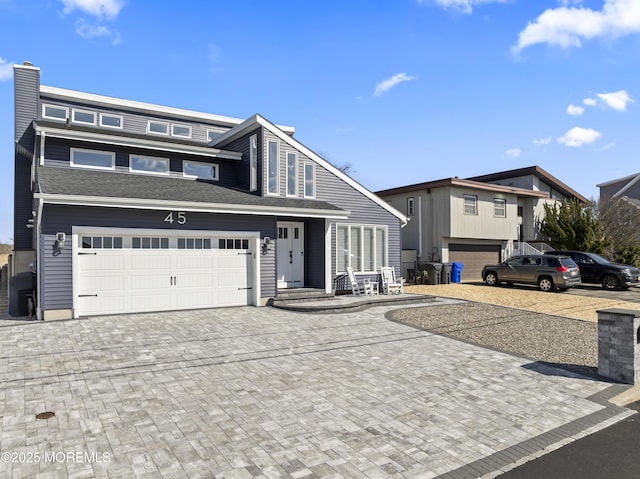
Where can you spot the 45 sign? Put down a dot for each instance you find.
(178, 216)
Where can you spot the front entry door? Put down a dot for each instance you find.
(290, 254)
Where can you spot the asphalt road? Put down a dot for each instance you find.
(612, 453)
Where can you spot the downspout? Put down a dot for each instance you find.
(38, 259)
(420, 226)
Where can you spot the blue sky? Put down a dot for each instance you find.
(404, 90)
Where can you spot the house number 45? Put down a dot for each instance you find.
(180, 217)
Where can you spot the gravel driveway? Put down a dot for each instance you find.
(557, 328)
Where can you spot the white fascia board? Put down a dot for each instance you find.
(328, 166)
(132, 105)
(94, 137)
(147, 204)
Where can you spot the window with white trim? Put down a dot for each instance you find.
(182, 131)
(253, 163)
(194, 243)
(214, 133)
(361, 247)
(292, 173)
(158, 127)
(148, 164)
(101, 242)
(93, 159)
(83, 117)
(272, 167)
(54, 112)
(233, 243)
(309, 180)
(110, 121)
(470, 205)
(499, 208)
(149, 243)
(199, 170)
(411, 206)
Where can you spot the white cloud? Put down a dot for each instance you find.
(88, 31)
(391, 82)
(542, 141)
(576, 137)
(575, 110)
(98, 8)
(513, 152)
(464, 6)
(617, 100)
(567, 26)
(6, 70)
(214, 52)
(589, 101)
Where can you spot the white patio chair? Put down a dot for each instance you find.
(365, 287)
(391, 284)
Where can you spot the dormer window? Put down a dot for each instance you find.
(53, 112)
(83, 117)
(93, 159)
(158, 128)
(181, 131)
(110, 121)
(198, 170)
(148, 164)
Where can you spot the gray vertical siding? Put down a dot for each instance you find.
(57, 270)
(334, 190)
(242, 170)
(26, 86)
(57, 278)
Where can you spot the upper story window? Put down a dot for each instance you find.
(253, 163)
(411, 206)
(83, 117)
(158, 127)
(309, 180)
(520, 211)
(53, 112)
(93, 159)
(202, 171)
(110, 121)
(499, 208)
(213, 133)
(182, 131)
(272, 167)
(292, 174)
(470, 205)
(148, 164)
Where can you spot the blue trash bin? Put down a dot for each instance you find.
(456, 272)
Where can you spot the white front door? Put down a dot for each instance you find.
(290, 254)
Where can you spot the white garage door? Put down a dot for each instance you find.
(131, 274)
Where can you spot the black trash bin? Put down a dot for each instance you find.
(434, 271)
(445, 276)
(456, 272)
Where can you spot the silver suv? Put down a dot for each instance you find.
(550, 273)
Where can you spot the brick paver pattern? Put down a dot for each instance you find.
(259, 392)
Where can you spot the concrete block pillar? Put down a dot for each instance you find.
(619, 345)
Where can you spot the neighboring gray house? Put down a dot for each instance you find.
(123, 206)
(627, 188)
(476, 221)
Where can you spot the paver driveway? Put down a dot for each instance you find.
(260, 392)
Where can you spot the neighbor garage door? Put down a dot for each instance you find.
(139, 273)
(474, 257)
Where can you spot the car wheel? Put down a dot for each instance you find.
(545, 284)
(609, 281)
(491, 279)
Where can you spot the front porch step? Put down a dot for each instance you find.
(299, 295)
(350, 303)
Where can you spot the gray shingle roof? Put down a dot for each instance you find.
(109, 184)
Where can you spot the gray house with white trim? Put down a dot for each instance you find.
(125, 207)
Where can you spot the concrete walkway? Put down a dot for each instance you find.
(260, 392)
